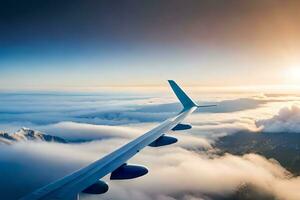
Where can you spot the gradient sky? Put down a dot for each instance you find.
(71, 44)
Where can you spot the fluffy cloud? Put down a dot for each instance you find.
(198, 175)
(73, 131)
(188, 170)
(215, 176)
(80, 132)
(287, 120)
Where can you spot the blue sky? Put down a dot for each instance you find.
(141, 65)
(56, 45)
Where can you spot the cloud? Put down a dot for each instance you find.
(73, 131)
(25, 166)
(50, 108)
(217, 176)
(287, 120)
(103, 108)
(197, 173)
(218, 129)
(188, 170)
(224, 106)
(80, 132)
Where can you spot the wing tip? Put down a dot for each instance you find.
(184, 99)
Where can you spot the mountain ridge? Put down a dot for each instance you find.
(26, 134)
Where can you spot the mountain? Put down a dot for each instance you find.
(26, 134)
(284, 147)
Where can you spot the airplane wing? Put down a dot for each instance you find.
(87, 179)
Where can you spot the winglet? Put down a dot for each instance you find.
(185, 100)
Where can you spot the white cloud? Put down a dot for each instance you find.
(174, 171)
(80, 131)
(178, 171)
(287, 120)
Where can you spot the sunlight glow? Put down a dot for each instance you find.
(293, 75)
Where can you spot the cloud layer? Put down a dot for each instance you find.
(175, 173)
(287, 120)
(188, 170)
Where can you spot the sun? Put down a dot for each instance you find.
(293, 74)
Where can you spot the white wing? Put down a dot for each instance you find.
(68, 187)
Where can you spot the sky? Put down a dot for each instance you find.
(74, 45)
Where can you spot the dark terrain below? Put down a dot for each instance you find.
(284, 147)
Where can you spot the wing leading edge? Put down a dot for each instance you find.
(68, 187)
